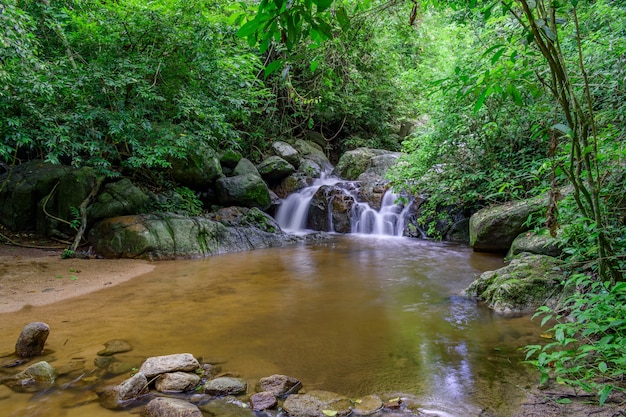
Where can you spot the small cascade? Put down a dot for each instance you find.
(292, 213)
(388, 221)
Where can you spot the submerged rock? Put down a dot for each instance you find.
(317, 403)
(368, 405)
(32, 339)
(118, 396)
(114, 346)
(37, 377)
(527, 283)
(170, 407)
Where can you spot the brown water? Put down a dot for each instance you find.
(354, 315)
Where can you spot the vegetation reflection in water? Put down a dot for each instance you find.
(354, 315)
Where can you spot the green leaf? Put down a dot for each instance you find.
(602, 366)
(322, 4)
(604, 393)
(313, 65)
(330, 413)
(248, 29)
(563, 401)
(342, 18)
(273, 66)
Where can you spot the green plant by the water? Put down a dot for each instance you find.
(588, 350)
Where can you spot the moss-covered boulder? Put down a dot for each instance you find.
(354, 163)
(230, 159)
(172, 236)
(198, 169)
(118, 198)
(287, 152)
(245, 166)
(529, 281)
(246, 190)
(314, 152)
(275, 168)
(540, 243)
(493, 229)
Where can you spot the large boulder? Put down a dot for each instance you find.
(287, 152)
(331, 210)
(354, 163)
(493, 229)
(539, 243)
(528, 282)
(172, 236)
(275, 168)
(313, 152)
(198, 169)
(248, 190)
(23, 188)
(118, 198)
(245, 166)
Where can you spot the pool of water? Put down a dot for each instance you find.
(353, 314)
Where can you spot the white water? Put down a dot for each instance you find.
(388, 221)
(292, 213)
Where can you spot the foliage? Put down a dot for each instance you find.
(182, 200)
(589, 347)
(123, 84)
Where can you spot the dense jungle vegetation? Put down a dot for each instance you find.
(491, 101)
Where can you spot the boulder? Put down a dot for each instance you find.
(367, 405)
(230, 159)
(118, 396)
(170, 407)
(198, 169)
(539, 243)
(173, 236)
(157, 365)
(177, 382)
(317, 403)
(264, 400)
(37, 377)
(32, 339)
(331, 203)
(114, 346)
(118, 198)
(275, 168)
(287, 152)
(245, 166)
(310, 168)
(23, 189)
(291, 184)
(528, 282)
(280, 385)
(225, 386)
(493, 229)
(247, 190)
(354, 163)
(313, 152)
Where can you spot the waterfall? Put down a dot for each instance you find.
(292, 213)
(388, 221)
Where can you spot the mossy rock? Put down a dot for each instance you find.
(528, 282)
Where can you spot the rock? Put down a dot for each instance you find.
(177, 382)
(119, 368)
(459, 231)
(28, 184)
(539, 243)
(118, 199)
(356, 162)
(315, 403)
(246, 190)
(230, 159)
(118, 396)
(378, 167)
(280, 385)
(313, 152)
(229, 407)
(287, 152)
(264, 400)
(310, 168)
(170, 407)
(114, 346)
(172, 236)
(245, 166)
(198, 169)
(330, 203)
(367, 405)
(293, 183)
(157, 365)
(528, 282)
(493, 229)
(103, 362)
(32, 339)
(275, 168)
(37, 377)
(225, 386)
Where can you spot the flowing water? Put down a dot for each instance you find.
(354, 315)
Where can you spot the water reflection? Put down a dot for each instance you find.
(353, 315)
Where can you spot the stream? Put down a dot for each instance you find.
(357, 315)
